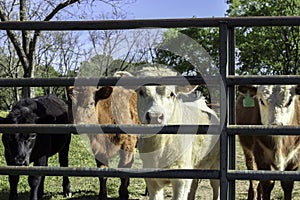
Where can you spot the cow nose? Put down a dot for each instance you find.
(154, 117)
(20, 160)
(277, 123)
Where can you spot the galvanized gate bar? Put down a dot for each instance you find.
(231, 109)
(149, 129)
(112, 128)
(223, 53)
(109, 172)
(106, 81)
(228, 131)
(264, 80)
(263, 130)
(150, 23)
(263, 175)
(135, 81)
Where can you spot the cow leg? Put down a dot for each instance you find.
(253, 184)
(41, 188)
(247, 143)
(181, 188)
(267, 187)
(155, 189)
(126, 161)
(13, 182)
(215, 184)
(36, 182)
(194, 186)
(102, 181)
(287, 187)
(63, 157)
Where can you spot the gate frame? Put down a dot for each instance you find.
(227, 173)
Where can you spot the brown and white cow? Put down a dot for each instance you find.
(108, 105)
(273, 105)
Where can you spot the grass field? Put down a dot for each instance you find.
(86, 188)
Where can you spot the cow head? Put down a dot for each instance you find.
(18, 146)
(276, 102)
(83, 102)
(156, 103)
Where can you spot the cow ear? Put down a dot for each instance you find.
(46, 119)
(244, 89)
(297, 89)
(103, 93)
(70, 90)
(122, 74)
(2, 120)
(186, 89)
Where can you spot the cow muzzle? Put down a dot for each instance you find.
(21, 160)
(155, 117)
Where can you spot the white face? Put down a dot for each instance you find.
(155, 103)
(276, 104)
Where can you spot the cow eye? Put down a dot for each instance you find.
(141, 93)
(289, 103)
(171, 95)
(261, 102)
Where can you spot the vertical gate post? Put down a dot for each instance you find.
(231, 108)
(223, 52)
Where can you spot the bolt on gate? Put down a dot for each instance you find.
(227, 173)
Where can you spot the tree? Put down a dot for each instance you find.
(267, 50)
(25, 42)
(115, 50)
(259, 50)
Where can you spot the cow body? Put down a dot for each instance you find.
(108, 105)
(274, 105)
(24, 148)
(164, 105)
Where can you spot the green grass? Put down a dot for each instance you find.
(83, 187)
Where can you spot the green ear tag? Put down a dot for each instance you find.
(248, 101)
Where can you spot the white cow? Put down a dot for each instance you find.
(165, 105)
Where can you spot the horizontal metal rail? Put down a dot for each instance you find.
(149, 173)
(149, 129)
(105, 81)
(135, 81)
(262, 130)
(263, 80)
(110, 172)
(151, 23)
(119, 128)
(263, 175)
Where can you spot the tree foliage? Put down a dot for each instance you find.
(267, 50)
(259, 50)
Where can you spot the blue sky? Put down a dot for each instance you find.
(151, 9)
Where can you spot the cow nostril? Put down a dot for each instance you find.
(277, 123)
(148, 118)
(161, 118)
(20, 160)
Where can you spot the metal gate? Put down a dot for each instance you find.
(227, 173)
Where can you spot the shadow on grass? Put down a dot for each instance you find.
(22, 195)
(77, 195)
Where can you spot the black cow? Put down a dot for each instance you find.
(24, 148)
